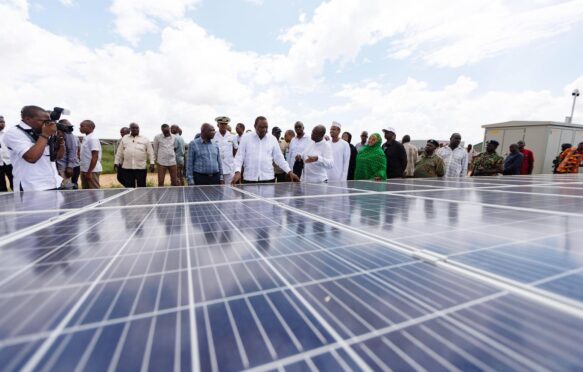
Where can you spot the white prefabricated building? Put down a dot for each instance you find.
(544, 138)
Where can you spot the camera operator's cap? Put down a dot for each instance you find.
(222, 120)
(336, 124)
(433, 142)
(389, 129)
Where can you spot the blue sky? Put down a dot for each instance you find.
(427, 68)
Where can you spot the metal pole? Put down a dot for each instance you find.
(573, 107)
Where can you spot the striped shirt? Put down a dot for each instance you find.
(204, 158)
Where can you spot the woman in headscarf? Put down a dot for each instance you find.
(371, 163)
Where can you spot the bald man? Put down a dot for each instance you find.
(203, 164)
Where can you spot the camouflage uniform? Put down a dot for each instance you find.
(429, 166)
(487, 162)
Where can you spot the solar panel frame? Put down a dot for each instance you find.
(272, 248)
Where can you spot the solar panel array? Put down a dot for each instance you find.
(479, 273)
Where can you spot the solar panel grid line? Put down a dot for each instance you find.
(335, 224)
(318, 260)
(52, 221)
(492, 353)
(444, 362)
(88, 351)
(523, 355)
(484, 188)
(41, 351)
(557, 276)
(507, 244)
(305, 303)
(77, 328)
(534, 193)
(477, 362)
(522, 289)
(32, 212)
(550, 347)
(522, 209)
(191, 300)
(382, 331)
(339, 187)
(558, 302)
(430, 233)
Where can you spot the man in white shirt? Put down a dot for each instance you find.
(5, 165)
(132, 154)
(28, 145)
(412, 155)
(340, 155)
(256, 153)
(240, 129)
(228, 145)
(296, 148)
(90, 156)
(165, 155)
(363, 140)
(455, 157)
(317, 157)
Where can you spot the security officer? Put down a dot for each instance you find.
(227, 143)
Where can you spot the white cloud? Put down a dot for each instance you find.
(416, 109)
(134, 18)
(193, 77)
(441, 32)
(67, 2)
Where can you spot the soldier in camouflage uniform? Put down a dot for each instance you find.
(429, 164)
(488, 163)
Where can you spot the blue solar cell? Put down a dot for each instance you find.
(328, 280)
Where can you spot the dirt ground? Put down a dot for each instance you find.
(109, 181)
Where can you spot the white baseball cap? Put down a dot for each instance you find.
(389, 129)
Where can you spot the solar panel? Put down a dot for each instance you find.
(480, 273)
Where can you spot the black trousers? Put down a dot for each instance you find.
(267, 181)
(6, 171)
(76, 173)
(280, 177)
(206, 179)
(134, 177)
(298, 168)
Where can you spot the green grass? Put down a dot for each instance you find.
(107, 158)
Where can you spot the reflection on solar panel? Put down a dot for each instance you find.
(481, 273)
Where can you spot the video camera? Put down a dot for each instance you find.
(55, 115)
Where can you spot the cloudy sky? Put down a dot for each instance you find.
(426, 68)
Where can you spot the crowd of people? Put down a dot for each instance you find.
(40, 154)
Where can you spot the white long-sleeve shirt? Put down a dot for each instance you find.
(318, 170)
(227, 144)
(341, 159)
(297, 147)
(257, 156)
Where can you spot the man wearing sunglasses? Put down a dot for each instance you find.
(28, 144)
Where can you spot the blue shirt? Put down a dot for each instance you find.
(203, 157)
(512, 164)
(179, 150)
(70, 160)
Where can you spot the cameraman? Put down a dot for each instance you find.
(28, 143)
(68, 167)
